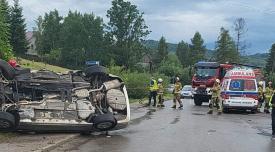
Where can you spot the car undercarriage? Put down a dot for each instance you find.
(80, 101)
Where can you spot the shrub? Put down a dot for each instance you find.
(271, 77)
(137, 83)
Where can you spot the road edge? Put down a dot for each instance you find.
(56, 144)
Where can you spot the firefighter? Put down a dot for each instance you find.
(176, 92)
(153, 91)
(160, 92)
(260, 95)
(268, 94)
(216, 95)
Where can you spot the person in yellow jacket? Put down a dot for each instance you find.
(153, 91)
(160, 92)
(216, 98)
(261, 95)
(176, 92)
(268, 93)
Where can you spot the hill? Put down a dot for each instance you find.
(152, 44)
(258, 59)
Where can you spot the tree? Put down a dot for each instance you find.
(93, 36)
(82, 38)
(197, 48)
(50, 28)
(5, 10)
(5, 48)
(240, 30)
(72, 38)
(183, 53)
(162, 50)
(225, 48)
(38, 35)
(270, 63)
(127, 28)
(18, 29)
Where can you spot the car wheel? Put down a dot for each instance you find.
(7, 121)
(253, 111)
(104, 122)
(197, 101)
(225, 110)
(7, 70)
(96, 69)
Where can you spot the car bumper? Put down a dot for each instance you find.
(187, 96)
(240, 104)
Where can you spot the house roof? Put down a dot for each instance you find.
(29, 35)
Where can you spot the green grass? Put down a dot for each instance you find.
(145, 100)
(40, 65)
(6, 136)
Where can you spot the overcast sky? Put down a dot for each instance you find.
(178, 20)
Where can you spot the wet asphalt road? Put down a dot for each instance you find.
(188, 130)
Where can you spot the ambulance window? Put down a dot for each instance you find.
(242, 85)
(224, 85)
(249, 85)
(236, 85)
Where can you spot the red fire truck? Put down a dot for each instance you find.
(205, 75)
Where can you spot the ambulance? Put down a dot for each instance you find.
(239, 90)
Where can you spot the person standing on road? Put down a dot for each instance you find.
(160, 92)
(153, 91)
(260, 96)
(176, 92)
(215, 99)
(268, 95)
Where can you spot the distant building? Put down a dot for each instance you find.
(31, 40)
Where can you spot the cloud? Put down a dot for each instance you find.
(179, 19)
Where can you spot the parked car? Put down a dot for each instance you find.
(80, 101)
(170, 88)
(187, 92)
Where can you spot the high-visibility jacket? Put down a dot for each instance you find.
(177, 88)
(160, 88)
(216, 91)
(260, 92)
(268, 92)
(153, 85)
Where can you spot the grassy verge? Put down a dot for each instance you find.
(6, 136)
(40, 65)
(145, 100)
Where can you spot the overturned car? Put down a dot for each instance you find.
(80, 101)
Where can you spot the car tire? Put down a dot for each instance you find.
(7, 121)
(95, 69)
(225, 110)
(197, 101)
(7, 70)
(254, 111)
(104, 122)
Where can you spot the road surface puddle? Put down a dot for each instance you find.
(176, 120)
(147, 116)
(199, 114)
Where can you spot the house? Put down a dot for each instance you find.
(31, 46)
